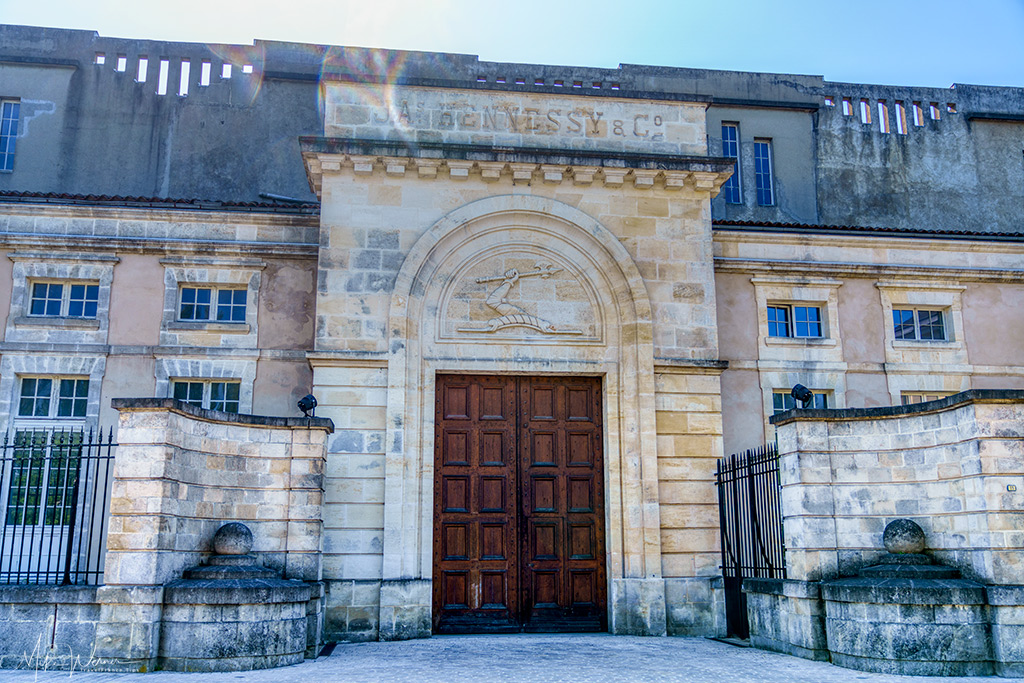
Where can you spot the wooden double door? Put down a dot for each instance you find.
(518, 505)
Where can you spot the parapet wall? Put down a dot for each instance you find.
(180, 473)
(954, 466)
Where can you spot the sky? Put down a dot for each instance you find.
(893, 42)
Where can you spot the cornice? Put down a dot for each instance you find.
(833, 269)
(327, 156)
(156, 213)
(179, 247)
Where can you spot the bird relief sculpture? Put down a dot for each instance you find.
(510, 315)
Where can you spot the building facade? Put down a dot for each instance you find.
(537, 302)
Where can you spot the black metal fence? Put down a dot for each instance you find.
(750, 513)
(55, 492)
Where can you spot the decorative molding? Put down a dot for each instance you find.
(63, 257)
(326, 156)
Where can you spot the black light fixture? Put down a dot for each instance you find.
(802, 394)
(307, 404)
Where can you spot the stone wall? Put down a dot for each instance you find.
(47, 627)
(954, 466)
(180, 473)
(354, 396)
(689, 426)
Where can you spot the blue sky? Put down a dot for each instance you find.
(923, 42)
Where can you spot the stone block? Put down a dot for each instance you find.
(691, 607)
(638, 607)
(405, 609)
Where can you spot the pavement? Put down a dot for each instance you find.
(540, 658)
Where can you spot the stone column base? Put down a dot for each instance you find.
(405, 609)
(638, 607)
(787, 616)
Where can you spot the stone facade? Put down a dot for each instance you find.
(456, 216)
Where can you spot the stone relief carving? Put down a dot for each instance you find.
(511, 315)
(515, 295)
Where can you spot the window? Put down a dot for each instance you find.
(901, 118)
(782, 400)
(763, 172)
(215, 395)
(731, 148)
(53, 397)
(865, 112)
(204, 304)
(64, 299)
(913, 324)
(883, 117)
(910, 397)
(785, 320)
(47, 450)
(8, 133)
(918, 114)
(43, 477)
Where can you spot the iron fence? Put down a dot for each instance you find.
(750, 514)
(55, 492)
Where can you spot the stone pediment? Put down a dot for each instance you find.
(519, 295)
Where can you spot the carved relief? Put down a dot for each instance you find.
(528, 298)
(512, 315)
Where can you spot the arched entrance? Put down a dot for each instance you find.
(577, 308)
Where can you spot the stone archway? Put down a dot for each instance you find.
(604, 328)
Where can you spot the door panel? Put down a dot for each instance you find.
(519, 510)
(562, 478)
(475, 520)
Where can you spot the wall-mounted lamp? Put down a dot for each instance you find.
(802, 394)
(307, 404)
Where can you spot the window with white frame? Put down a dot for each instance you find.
(8, 132)
(54, 398)
(795, 320)
(782, 400)
(918, 324)
(64, 299)
(731, 148)
(212, 304)
(48, 434)
(911, 397)
(211, 394)
(763, 172)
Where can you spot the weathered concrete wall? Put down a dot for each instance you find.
(931, 176)
(794, 178)
(953, 466)
(79, 117)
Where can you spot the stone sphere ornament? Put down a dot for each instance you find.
(234, 538)
(902, 536)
